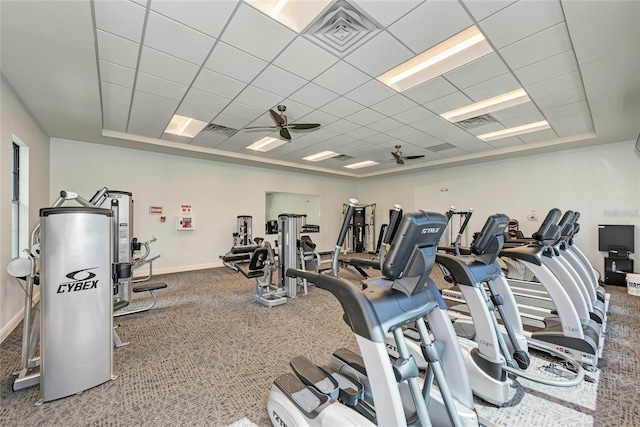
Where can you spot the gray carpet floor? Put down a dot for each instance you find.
(206, 355)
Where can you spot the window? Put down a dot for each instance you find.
(19, 197)
(15, 202)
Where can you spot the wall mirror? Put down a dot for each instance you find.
(304, 204)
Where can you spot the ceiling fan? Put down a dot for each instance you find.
(399, 158)
(283, 125)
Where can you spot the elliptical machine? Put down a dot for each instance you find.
(395, 396)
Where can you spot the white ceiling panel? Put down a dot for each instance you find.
(452, 152)
(520, 20)
(116, 74)
(365, 116)
(235, 63)
(232, 122)
(117, 50)
(138, 112)
(404, 132)
(574, 124)
(218, 84)
(379, 55)
(173, 38)
(477, 71)
(198, 113)
(451, 133)
(294, 112)
(546, 69)
(490, 127)
(341, 78)
(429, 123)
(238, 109)
(386, 12)
(567, 109)
(481, 9)
(492, 87)
(537, 47)
(557, 84)
(428, 91)
(116, 92)
(381, 138)
(141, 2)
(430, 23)
(259, 98)
(385, 125)
(114, 108)
(208, 17)
(523, 120)
(122, 18)
(205, 100)
(477, 147)
(166, 66)
(276, 80)
(266, 38)
(209, 139)
(154, 102)
(570, 96)
(313, 95)
(513, 141)
(397, 103)
(370, 93)
(342, 107)
(539, 136)
(341, 126)
(161, 87)
(116, 121)
(413, 115)
(361, 133)
(305, 59)
(176, 138)
(139, 126)
(318, 116)
(515, 111)
(449, 102)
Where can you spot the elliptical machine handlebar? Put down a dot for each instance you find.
(393, 224)
(343, 234)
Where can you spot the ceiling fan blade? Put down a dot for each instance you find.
(400, 161)
(302, 125)
(419, 156)
(397, 155)
(285, 133)
(261, 127)
(277, 118)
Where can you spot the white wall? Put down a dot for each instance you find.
(596, 181)
(218, 193)
(16, 121)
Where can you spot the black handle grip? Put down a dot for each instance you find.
(393, 224)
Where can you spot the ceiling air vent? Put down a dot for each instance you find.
(342, 157)
(475, 122)
(219, 129)
(342, 29)
(441, 147)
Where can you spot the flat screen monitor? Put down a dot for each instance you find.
(616, 236)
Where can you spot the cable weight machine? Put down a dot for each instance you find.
(362, 228)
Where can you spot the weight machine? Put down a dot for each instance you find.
(361, 232)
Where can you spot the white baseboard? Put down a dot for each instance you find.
(9, 327)
(182, 268)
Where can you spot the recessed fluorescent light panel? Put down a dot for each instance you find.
(266, 144)
(294, 14)
(519, 130)
(458, 50)
(185, 126)
(490, 105)
(361, 164)
(324, 155)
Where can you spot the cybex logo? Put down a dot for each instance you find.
(82, 280)
(278, 420)
(430, 230)
(485, 343)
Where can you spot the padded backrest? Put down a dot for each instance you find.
(417, 232)
(491, 238)
(258, 259)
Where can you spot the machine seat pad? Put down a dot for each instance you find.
(236, 257)
(149, 287)
(250, 274)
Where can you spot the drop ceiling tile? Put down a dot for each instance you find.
(138, 126)
(209, 139)
(313, 95)
(278, 81)
(386, 12)
(430, 23)
(523, 120)
(429, 123)
(477, 147)
(205, 100)
(422, 140)
(487, 128)
(370, 93)
(141, 2)
(167, 67)
(492, 87)
(570, 96)
(477, 71)
(266, 38)
(342, 126)
(243, 111)
(513, 141)
(539, 136)
(515, 111)
(202, 114)
(295, 110)
(413, 115)
(546, 69)
(449, 102)
(116, 74)
(365, 116)
(259, 98)
(218, 84)
(342, 107)
(521, 20)
(385, 125)
(115, 109)
(176, 138)
(480, 9)
(138, 112)
(161, 87)
(208, 17)
(117, 50)
(324, 134)
(234, 63)
(121, 18)
(154, 102)
(557, 84)
(173, 38)
(305, 59)
(232, 122)
(537, 47)
(573, 124)
(318, 116)
(451, 133)
(428, 91)
(115, 92)
(341, 78)
(380, 138)
(115, 121)
(379, 55)
(452, 152)
(394, 104)
(361, 133)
